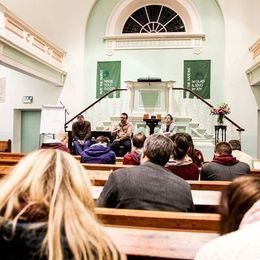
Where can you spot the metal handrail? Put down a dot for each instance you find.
(91, 105)
(240, 129)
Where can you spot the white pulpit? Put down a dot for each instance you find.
(150, 97)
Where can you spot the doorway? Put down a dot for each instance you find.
(30, 130)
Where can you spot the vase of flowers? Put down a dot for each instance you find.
(220, 111)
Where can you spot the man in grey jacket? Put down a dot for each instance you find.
(224, 167)
(149, 186)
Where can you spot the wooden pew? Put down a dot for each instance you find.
(5, 170)
(18, 156)
(6, 155)
(99, 178)
(158, 235)
(204, 200)
(105, 167)
(159, 219)
(89, 166)
(5, 145)
(13, 159)
(158, 244)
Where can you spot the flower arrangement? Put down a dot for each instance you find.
(220, 111)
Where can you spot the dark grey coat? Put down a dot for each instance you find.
(148, 186)
(220, 172)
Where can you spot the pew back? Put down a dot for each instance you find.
(5, 146)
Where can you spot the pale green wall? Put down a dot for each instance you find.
(166, 64)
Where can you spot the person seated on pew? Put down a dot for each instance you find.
(195, 154)
(122, 134)
(81, 133)
(168, 128)
(241, 156)
(240, 223)
(149, 186)
(99, 152)
(134, 157)
(181, 164)
(47, 211)
(59, 142)
(224, 167)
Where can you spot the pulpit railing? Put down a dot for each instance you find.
(188, 103)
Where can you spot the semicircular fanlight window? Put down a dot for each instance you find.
(154, 19)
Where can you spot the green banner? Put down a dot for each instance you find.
(197, 78)
(108, 78)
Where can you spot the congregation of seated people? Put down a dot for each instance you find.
(32, 194)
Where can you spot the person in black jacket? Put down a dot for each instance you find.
(47, 211)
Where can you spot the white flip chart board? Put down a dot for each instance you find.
(52, 119)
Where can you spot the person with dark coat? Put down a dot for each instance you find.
(99, 152)
(81, 134)
(149, 186)
(224, 167)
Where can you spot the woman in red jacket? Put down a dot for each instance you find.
(181, 164)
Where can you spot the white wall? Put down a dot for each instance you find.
(63, 23)
(18, 85)
(241, 31)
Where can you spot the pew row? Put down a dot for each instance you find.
(163, 220)
(144, 234)
(11, 161)
(202, 199)
(99, 178)
(18, 156)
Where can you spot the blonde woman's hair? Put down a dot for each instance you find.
(55, 182)
(62, 137)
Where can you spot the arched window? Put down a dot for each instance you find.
(171, 24)
(154, 19)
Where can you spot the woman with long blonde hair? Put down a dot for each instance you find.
(47, 211)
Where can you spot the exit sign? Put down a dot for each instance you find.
(27, 99)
